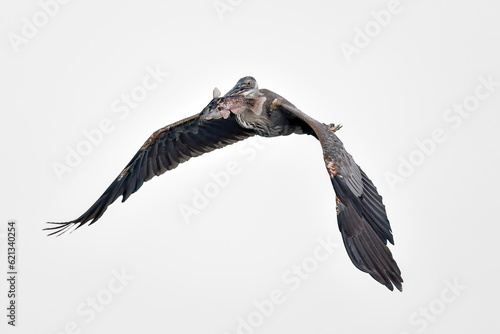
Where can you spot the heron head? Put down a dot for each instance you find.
(246, 86)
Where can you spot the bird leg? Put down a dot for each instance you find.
(275, 103)
(334, 127)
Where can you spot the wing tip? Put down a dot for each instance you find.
(59, 229)
(391, 280)
(63, 227)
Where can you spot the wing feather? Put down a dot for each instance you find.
(361, 215)
(164, 150)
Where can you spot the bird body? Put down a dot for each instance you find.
(246, 111)
(261, 116)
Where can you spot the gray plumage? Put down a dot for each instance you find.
(243, 112)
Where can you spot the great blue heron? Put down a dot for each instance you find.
(246, 111)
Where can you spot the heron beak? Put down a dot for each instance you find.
(236, 91)
(245, 91)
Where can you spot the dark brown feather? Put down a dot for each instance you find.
(164, 150)
(361, 215)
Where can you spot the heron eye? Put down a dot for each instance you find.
(219, 108)
(249, 83)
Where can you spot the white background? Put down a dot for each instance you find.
(204, 276)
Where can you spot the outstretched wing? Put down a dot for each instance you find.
(361, 214)
(163, 151)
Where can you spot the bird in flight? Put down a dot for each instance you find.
(243, 112)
